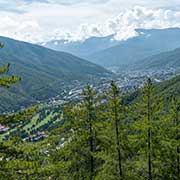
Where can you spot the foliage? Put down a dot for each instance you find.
(108, 136)
(45, 73)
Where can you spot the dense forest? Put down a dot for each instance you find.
(105, 136)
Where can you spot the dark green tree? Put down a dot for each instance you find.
(113, 136)
(7, 81)
(171, 137)
(77, 145)
(9, 150)
(176, 120)
(147, 132)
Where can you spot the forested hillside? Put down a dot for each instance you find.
(45, 73)
(161, 61)
(89, 90)
(103, 137)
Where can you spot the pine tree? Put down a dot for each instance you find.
(89, 104)
(9, 150)
(171, 135)
(77, 145)
(113, 138)
(115, 104)
(147, 132)
(176, 121)
(8, 80)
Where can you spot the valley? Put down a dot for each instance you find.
(51, 79)
(52, 76)
(69, 106)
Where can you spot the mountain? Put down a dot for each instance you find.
(166, 89)
(148, 43)
(169, 88)
(165, 60)
(45, 72)
(82, 48)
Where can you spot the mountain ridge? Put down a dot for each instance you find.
(108, 52)
(45, 72)
(149, 42)
(82, 48)
(164, 60)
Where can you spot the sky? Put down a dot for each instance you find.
(44, 20)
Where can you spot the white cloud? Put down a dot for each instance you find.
(124, 24)
(40, 21)
(69, 2)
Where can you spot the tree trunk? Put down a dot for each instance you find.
(149, 155)
(177, 148)
(91, 150)
(149, 140)
(117, 140)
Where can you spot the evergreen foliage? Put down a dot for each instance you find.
(7, 81)
(101, 137)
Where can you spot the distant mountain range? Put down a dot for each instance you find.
(108, 53)
(82, 48)
(148, 43)
(45, 72)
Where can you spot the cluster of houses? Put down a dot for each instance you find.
(3, 128)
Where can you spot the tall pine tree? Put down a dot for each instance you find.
(171, 136)
(147, 136)
(113, 136)
(77, 145)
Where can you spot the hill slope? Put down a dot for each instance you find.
(45, 73)
(164, 60)
(166, 89)
(148, 43)
(169, 88)
(47, 117)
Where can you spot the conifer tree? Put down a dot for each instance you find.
(7, 81)
(89, 104)
(113, 137)
(147, 133)
(11, 149)
(77, 145)
(176, 120)
(171, 138)
(8, 148)
(115, 104)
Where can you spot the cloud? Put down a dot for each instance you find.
(69, 2)
(5, 6)
(16, 3)
(43, 20)
(124, 25)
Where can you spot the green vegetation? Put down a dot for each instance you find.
(164, 60)
(7, 149)
(45, 73)
(102, 137)
(9, 80)
(43, 120)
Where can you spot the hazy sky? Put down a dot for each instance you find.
(43, 20)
